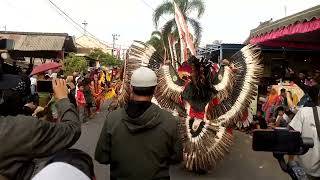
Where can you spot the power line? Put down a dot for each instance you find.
(67, 16)
(74, 23)
(70, 22)
(144, 2)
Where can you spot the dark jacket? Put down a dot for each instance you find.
(140, 148)
(24, 138)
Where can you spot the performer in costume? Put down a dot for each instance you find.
(96, 90)
(206, 103)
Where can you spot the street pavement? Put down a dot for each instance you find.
(241, 163)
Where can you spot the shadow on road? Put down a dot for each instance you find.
(241, 163)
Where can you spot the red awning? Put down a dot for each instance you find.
(303, 35)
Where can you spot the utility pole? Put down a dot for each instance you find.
(85, 24)
(114, 38)
(285, 10)
(4, 27)
(124, 54)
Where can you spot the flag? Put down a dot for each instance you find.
(186, 40)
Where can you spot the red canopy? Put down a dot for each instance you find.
(45, 67)
(300, 30)
(278, 37)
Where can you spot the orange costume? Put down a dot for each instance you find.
(96, 90)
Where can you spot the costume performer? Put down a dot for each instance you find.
(96, 90)
(207, 101)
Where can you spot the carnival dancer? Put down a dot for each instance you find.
(207, 103)
(110, 92)
(96, 90)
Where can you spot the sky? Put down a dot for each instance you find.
(226, 20)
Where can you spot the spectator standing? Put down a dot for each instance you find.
(88, 95)
(25, 138)
(33, 87)
(141, 140)
(307, 123)
(81, 103)
(72, 90)
(269, 106)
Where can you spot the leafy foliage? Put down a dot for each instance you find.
(187, 7)
(73, 63)
(157, 42)
(104, 58)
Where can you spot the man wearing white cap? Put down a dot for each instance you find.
(141, 140)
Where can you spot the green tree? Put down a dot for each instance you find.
(186, 7)
(157, 42)
(104, 58)
(73, 63)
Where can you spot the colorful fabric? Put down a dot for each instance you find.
(110, 94)
(81, 101)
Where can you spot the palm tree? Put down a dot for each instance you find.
(186, 7)
(157, 42)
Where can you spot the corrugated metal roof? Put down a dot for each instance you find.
(303, 16)
(36, 41)
(92, 43)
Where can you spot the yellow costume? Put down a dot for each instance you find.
(110, 94)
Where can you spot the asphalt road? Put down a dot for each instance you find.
(241, 163)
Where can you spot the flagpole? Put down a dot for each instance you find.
(185, 40)
(170, 48)
(175, 54)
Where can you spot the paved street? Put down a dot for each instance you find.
(241, 163)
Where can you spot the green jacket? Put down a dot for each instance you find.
(24, 138)
(140, 148)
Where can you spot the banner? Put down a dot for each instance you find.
(185, 39)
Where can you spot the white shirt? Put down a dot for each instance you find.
(285, 117)
(33, 81)
(304, 122)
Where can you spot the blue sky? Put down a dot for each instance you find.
(226, 20)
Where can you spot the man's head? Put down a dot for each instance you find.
(302, 75)
(143, 84)
(283, 92)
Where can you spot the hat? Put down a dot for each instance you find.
(143, 77)
(8, 81)
(62, 171)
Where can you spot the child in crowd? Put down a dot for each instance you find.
(260, 120)
(81, 102)
(282, 119)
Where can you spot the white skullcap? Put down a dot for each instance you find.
(143, 77)
(61, 171)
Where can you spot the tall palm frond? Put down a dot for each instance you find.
(167, 29)
(196, 5)
(183, 5)
(197, 29)
(166, 8)
(157, 34)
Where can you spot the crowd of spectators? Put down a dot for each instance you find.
(279, 108)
